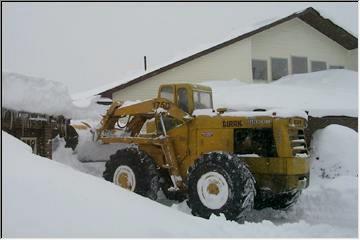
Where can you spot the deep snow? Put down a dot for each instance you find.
(323, 93)
(49, 199)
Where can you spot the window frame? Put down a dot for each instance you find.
(173, 92)
(317, 61)
(199, 92)
(336, 67)
(299, 57)
(266, 69)
(271, 65)
(186, 97)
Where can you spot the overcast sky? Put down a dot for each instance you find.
(87, 45)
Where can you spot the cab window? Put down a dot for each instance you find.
(167, 92)
(202, 100)
(182, 95)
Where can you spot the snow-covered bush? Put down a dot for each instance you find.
(334, 152)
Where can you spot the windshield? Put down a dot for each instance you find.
(202, 100)
(167, 92)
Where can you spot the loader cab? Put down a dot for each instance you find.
(188, 97)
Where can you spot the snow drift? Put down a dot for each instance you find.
(37, 95)
(323, 93)
(43, 198)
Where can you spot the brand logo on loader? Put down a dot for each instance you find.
(259, 121)
(232, 123)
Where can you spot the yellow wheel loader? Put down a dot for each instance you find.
(220, 161)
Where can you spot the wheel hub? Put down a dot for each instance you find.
(125, 177)
(213, 190)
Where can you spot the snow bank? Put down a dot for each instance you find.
(332, 197)
(330, 92)
(37, 95)
(43, 198)
(334, 152)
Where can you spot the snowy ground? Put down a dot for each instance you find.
(44, 198)
(67, 198)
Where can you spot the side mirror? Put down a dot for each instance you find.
(221, 110)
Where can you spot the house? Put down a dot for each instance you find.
(299, 43)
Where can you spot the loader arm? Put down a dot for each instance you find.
(139, 113)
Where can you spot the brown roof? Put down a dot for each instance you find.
(309, 16)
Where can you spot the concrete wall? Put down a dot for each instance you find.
(232, 62)
(296, 38)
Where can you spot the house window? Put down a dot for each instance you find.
(167, 92)
(299, 65)
(279, 68)
(259, 69)
(336, 67)
(318, 66)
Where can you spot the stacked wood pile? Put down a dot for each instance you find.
(36, 130)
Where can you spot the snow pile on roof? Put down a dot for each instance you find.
(323, 93)
(57, 201)
(334, 152)
(37, 95)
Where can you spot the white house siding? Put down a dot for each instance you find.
(296, 38)
(352, 62)
(292, 38)
(232, 62)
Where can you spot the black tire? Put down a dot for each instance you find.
(279, 201)
(166, 184)
(143, 167)
(240, 182)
